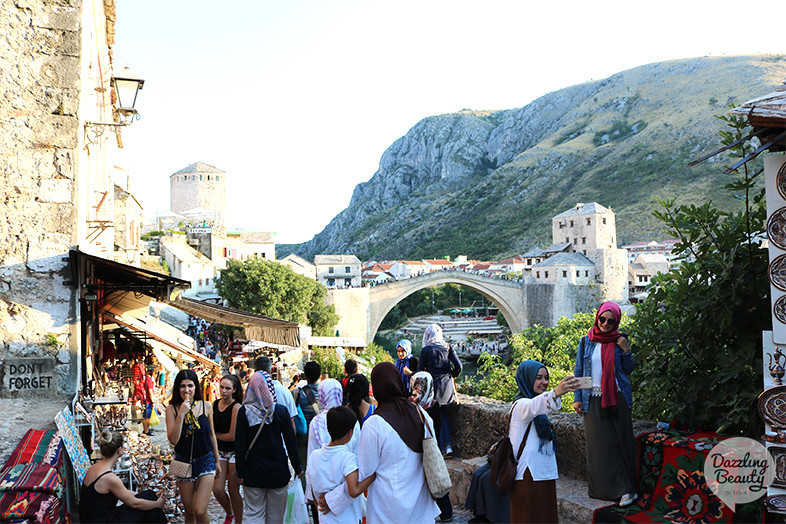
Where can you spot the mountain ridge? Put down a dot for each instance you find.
(486, 183)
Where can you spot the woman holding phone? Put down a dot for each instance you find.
(189, 423)
(605, 356)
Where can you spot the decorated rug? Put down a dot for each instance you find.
(672, 487)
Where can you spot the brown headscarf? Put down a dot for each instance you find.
(394, 407)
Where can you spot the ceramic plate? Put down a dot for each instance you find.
(776, 502)
(780, 181)
(779, 457)
(780, 309)
(772, 406)
(778, 272)
(776, 228)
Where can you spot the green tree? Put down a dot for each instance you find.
(698, 336)
(273, 289)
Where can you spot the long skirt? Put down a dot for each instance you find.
(533, 501)
(611, 450)
(484, 500)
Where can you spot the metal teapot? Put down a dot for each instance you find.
(777, 370)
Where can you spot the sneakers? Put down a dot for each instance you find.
(627, 499)
(229, 519)
(444, 519)
(448, 451)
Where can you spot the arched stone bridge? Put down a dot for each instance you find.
(523, 304)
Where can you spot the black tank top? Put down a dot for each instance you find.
(95, 506)
(222, 422)
(194, 442)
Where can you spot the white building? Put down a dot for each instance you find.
(242, 245)
(437, 264)
(338, 270)
(641, 271)
(186, 263)
(300, 265)
(402, 269)
(665, 248)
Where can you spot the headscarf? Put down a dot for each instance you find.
(433, 336)
(525, 380)
(394, 407)
(330, 395)
(608, 341)
(425, 384)
(406, 345)
(402, 363)
(260, 399)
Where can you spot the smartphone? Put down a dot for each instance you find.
(585, 382)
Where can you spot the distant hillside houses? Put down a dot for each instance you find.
(584, 252)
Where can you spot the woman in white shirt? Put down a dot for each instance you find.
(533, 497)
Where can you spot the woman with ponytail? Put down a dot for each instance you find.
(605, 355)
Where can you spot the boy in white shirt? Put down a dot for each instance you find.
(334, 464)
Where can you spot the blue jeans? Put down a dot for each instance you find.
(200, 466)
(441, 424)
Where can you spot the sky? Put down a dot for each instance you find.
(298, 99)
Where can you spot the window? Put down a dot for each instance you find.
(331, 282)
(567, 240)
(604, 221)
(529, 261)
(575, 241)
(571, 223)
(546, 274)
(584, 251)
(208, 178)
(200, 281)
(346, 269)
(577, 274)
(330, 269)
(216, 178)
(537, 274)
(589, 222)
(564, 274)
(207, 281)
(347, 281)
(586, 273)
(583, 240)
(200, 177)
(262, 255)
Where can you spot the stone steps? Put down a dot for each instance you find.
(573, 504)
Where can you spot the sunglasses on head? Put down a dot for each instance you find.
(604, 320)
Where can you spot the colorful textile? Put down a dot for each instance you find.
(73, 443)
(38, 446)
(31, 477)
(672, 487)
(39, 507)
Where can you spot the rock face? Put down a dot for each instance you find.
(486, 183)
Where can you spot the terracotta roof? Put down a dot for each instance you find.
(438, 261)
(413, 262)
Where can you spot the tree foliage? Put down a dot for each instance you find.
(698, 337)
(273, 289)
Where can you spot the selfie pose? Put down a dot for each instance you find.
(605, 356)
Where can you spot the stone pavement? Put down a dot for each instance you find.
(22, 414)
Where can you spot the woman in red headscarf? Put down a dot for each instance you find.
(605, 355)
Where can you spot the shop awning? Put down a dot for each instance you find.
(257, 327)
(156, 334)
(96, 274)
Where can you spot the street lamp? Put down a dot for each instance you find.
(459, 298)
(126, 86)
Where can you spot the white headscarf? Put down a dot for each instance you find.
(433, 336)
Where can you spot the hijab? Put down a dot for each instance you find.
(260, 399)
(423, 382)
(525, 380)
(608, 344)
(394, 407)
(406, 345)
(331, 393)
(433, 336)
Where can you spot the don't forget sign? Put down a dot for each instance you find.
(29, 377)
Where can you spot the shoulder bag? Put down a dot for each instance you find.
(181, 469)
(437, 475)
(503, 464)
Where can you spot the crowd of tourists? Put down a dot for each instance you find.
(357, 445)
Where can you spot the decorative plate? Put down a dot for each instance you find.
(779, 457)
(776, 502)
(776, 228)
(780, 181)
(780, 309)
(778, 272)
(772, 406)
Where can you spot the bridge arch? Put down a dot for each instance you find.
(507, 295)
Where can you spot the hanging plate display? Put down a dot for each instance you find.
(772, 406)
(780, 309)
(776, 502)
(776, 228)
(780, 181)
(778, 272)
(779, 457)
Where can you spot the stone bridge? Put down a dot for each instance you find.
(523, 304)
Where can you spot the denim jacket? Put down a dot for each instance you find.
(623, 366)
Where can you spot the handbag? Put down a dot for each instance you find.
(437, 475)
(503, 465)
(178, 468)
(301, 428)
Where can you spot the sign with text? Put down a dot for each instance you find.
(29, 377)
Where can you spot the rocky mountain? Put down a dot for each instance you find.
(486, 183)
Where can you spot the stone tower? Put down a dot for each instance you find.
(198, 186)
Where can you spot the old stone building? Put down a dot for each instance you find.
(201, 187)
(338, 270)
(57, 191)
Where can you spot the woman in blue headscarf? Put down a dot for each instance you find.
(405, 363)
(533, 497)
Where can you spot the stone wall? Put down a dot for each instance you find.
(198, 189)
(477, 422)
(40, 125)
